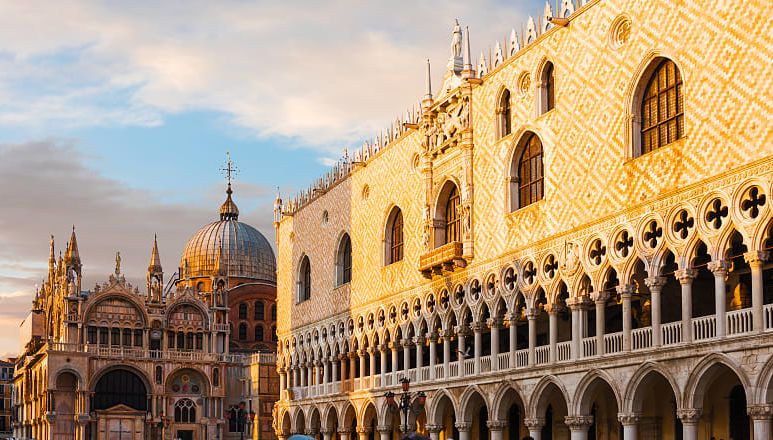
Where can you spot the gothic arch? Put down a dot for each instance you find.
(450, 184)
(438, 404)
(589, 383)
(764, 385)
(641, 378)
(703, 374)
(507, 394)
(538, 402)
(299, 421)
(635, 92)
(472, 395)
(521, 141)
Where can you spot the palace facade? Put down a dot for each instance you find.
(120, 364)
(569, 239)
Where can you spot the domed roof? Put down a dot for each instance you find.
(230, 244)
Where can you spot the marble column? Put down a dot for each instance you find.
(434, 431)
(534, 425)
(383, 348)
(578, 426)
(464, 430)
(343, 434)
(720, 269)
(494, 324)
(685, 277)
(361, 354)
(630, 422)
(495, 428)
(477, 328)
(460, 338)
(690, 419)
(334, 363)
(600, 302)
(577, 305)
(407, 343)
(432, 353)
(761, 421)
(446, 353)
(532, 315)
(756, 260)
(362, 433)
(626, 292)
(326, 434)
(419, 356)
(512, 322)
(384, 432)
(395, 362)
(655, 285)
(552, 310)
(372, 366)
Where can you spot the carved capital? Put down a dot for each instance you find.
(363, 430)
(463, 426)
(689, 415)
(685, 276)
(420, 340)
(578, 423)
(600, 297)
(434, 428)
(494, 322)
(760, 411)
(756, 258)
(311, 431)
(628, 418)
(626, 290)
(496, 425)
(532, 313)
(326, 431)
(655, 283)
(477, 326)
(534, 424)
(406, 343)
(719, 268)
(462, 330)
(432, 336)
(344, 431)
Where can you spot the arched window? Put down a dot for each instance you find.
(120, 387)
(274, 337)
(216, 377)
(453, 221)
(258, 333)
(273, 312)
(662, 107)
(185, 411)
(304, 280)
(547, 89)
(259, 310)
(159, 375)
(526, 173)
(394, 237)
(242, 311)
(344, 261)
(504, 114)
(242, 332)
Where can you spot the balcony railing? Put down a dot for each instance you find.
(143, 353)
(444, 258)
(564, 350)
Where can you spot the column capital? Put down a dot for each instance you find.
(575, 302)
(383, 347)
(462, 330)
(685, 276)
(689, 415)
(363, 430)
(362, 352)
(434, 428)
(394, 345)
(406, 343)
(384, 428)
(577, 423)
(756, 258)
(326, 431)
(496, 425)
(719, 268)
(760, 411)
(352, 355)
(494, 322)
(625, 290)
(342, 356)
(432, 336)
(463, 426)
(629, 418)
(311, 431)
(534, 423)
(600, 297)
(420, 340)
(655, 282)
(477, 326)
(532, 313)
(447, 334)
(344, 431)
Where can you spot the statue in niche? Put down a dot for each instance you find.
(467, 221)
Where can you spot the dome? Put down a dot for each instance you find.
(232, 244)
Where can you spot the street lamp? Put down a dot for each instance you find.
(405, 400)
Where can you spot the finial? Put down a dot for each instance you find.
(467, 54)
(428, 96)
(228, 210)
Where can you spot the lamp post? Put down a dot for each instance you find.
(405, 401)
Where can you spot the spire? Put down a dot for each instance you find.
(429, 82)
(467, 55)
(72, 256)
(155, 259)
(228, 210)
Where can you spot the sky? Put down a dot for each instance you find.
(116, 117)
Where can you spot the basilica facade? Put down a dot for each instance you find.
(118, 363)
(568, 239)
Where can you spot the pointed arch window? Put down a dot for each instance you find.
(260, 311)
(662, 107)
(344, 261)
(547, 89)
(394, 237)
(185, 411)
(216, 377)
(504, 114)
(304, 280)
(526, 172)
(450, 215)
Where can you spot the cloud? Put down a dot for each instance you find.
(46, 188)
(323, 73)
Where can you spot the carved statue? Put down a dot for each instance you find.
(467, 221)
(117, 263)
(456, 40)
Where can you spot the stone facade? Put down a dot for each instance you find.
(626, 290)
(117, 363)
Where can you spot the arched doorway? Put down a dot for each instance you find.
(550, 411)
(655, 404)
(120, 402)
(721, 396)
(65, 405)
(598, 400)
(445, 417)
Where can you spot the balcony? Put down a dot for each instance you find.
(444, 258)
(139, 353)
(639, 342)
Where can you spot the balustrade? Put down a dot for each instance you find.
(439, 373)
(641, 338)
(503, 361)
(704, 328)
(768, 314)
(589, 347)
(671, 333)
(469, 367)
(485, 364)
(522, 358)
(739, 322)
(564, 351)
(453, 369)
(613, 343)
(542, 353)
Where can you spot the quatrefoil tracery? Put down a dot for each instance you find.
(684, 222)
(551, 266)
(624, 244)
(716, 213)
(652, 233)
(753, 201)
(597, 252)
(529, 272)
